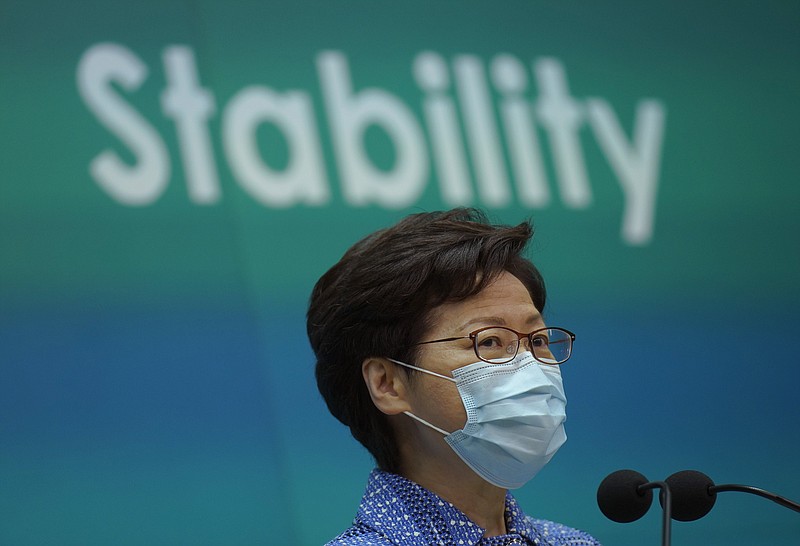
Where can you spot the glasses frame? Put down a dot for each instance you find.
(520, 336)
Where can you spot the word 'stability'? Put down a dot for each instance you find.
(465, 123)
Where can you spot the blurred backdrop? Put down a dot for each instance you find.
(177, 174)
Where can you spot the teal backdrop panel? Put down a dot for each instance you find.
(176, 176)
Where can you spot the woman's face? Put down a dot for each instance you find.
(505, 302)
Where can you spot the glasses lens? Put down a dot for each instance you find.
(496, 345)
(552, 346)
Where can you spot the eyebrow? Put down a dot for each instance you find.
(497, 321)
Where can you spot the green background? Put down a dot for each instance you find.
(156, 385)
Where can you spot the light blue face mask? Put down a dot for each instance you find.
(515, 418)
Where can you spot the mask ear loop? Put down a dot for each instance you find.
(420, 369)
(423, 421)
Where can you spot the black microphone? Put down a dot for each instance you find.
(620, 498)
(626, 495)
(694, 494)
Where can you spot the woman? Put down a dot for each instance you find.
(431, 347)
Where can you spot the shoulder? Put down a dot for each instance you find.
(360, 535)
(557, 534)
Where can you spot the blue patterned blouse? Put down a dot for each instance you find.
(397, 511)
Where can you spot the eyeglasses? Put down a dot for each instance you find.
(498, 344)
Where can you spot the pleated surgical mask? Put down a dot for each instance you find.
(515, 418)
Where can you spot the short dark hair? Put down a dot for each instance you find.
(376, 302)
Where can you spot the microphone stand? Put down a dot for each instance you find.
(783, 501)
(665, 497)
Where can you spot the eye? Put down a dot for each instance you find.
(490, 342)
(540, 340)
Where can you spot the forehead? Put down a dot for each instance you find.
(504, 302)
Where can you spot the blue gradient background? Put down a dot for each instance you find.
(156, 385)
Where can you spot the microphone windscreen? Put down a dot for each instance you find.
(691, 497)
(619, 498)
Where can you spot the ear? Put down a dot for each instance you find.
(387, 385)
